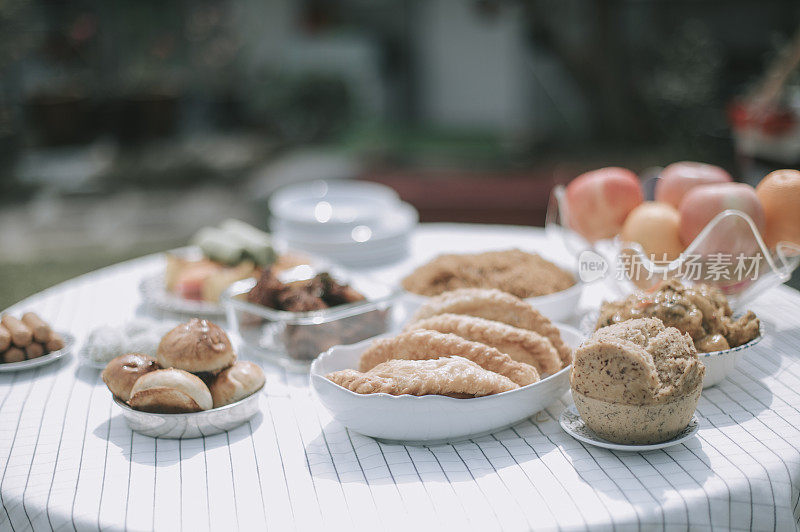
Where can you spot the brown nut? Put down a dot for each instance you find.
(55, 343)
(14, 354)
(5, 338)
(34, 350)
(41, 330)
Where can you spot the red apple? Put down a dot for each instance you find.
(599, 201)
(678, 178)
(701, 204)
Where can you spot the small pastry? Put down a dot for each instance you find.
(34, 350)
(21, 334)
(14, 354)
(499, 306)
(170, 391)
(453, 376)
(235, 383)
(41, 330)
(55, 343)
(520, 344)
(426, 345)
(196, 346)
(5, 338)
(122, 373)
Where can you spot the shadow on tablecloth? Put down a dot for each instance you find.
(141, 449)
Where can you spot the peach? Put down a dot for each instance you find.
(701, 204)
(599, 201)
(678, 178)
(655, 227)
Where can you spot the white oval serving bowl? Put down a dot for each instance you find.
(431, 418)
(192, 425)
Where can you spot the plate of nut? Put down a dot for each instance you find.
(28, 342)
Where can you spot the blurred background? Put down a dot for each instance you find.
(125, 126)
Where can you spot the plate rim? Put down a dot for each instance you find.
(605, 444)
(161, 298)
(69, 343)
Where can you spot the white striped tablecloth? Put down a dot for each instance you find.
(69, 462)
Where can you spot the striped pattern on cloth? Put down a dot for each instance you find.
(69, 462)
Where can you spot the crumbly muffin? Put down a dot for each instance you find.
(637, 382)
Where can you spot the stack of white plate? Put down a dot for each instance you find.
(355, 223)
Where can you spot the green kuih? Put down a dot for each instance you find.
(257, 244)
(218, 246)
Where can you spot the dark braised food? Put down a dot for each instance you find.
(304, 341)
(320, 292)
(700, 310)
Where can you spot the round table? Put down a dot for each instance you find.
(69, 461)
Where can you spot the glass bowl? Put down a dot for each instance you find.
(729, 253)
(294, 339)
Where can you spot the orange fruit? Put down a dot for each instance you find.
(655, 226)
(779, 193)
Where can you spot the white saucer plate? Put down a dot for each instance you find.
(69, 343)
(432, 418)
(573, 425)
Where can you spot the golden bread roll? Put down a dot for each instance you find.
(237, 382)
(122, 373)
(196, 346)
(170, 391)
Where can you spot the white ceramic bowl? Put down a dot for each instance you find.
(195, 424)
(431, 418)
(325, 206)
(719, 364)
(557, 306)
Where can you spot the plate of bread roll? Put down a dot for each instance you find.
(29, 341)
(193, 387)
